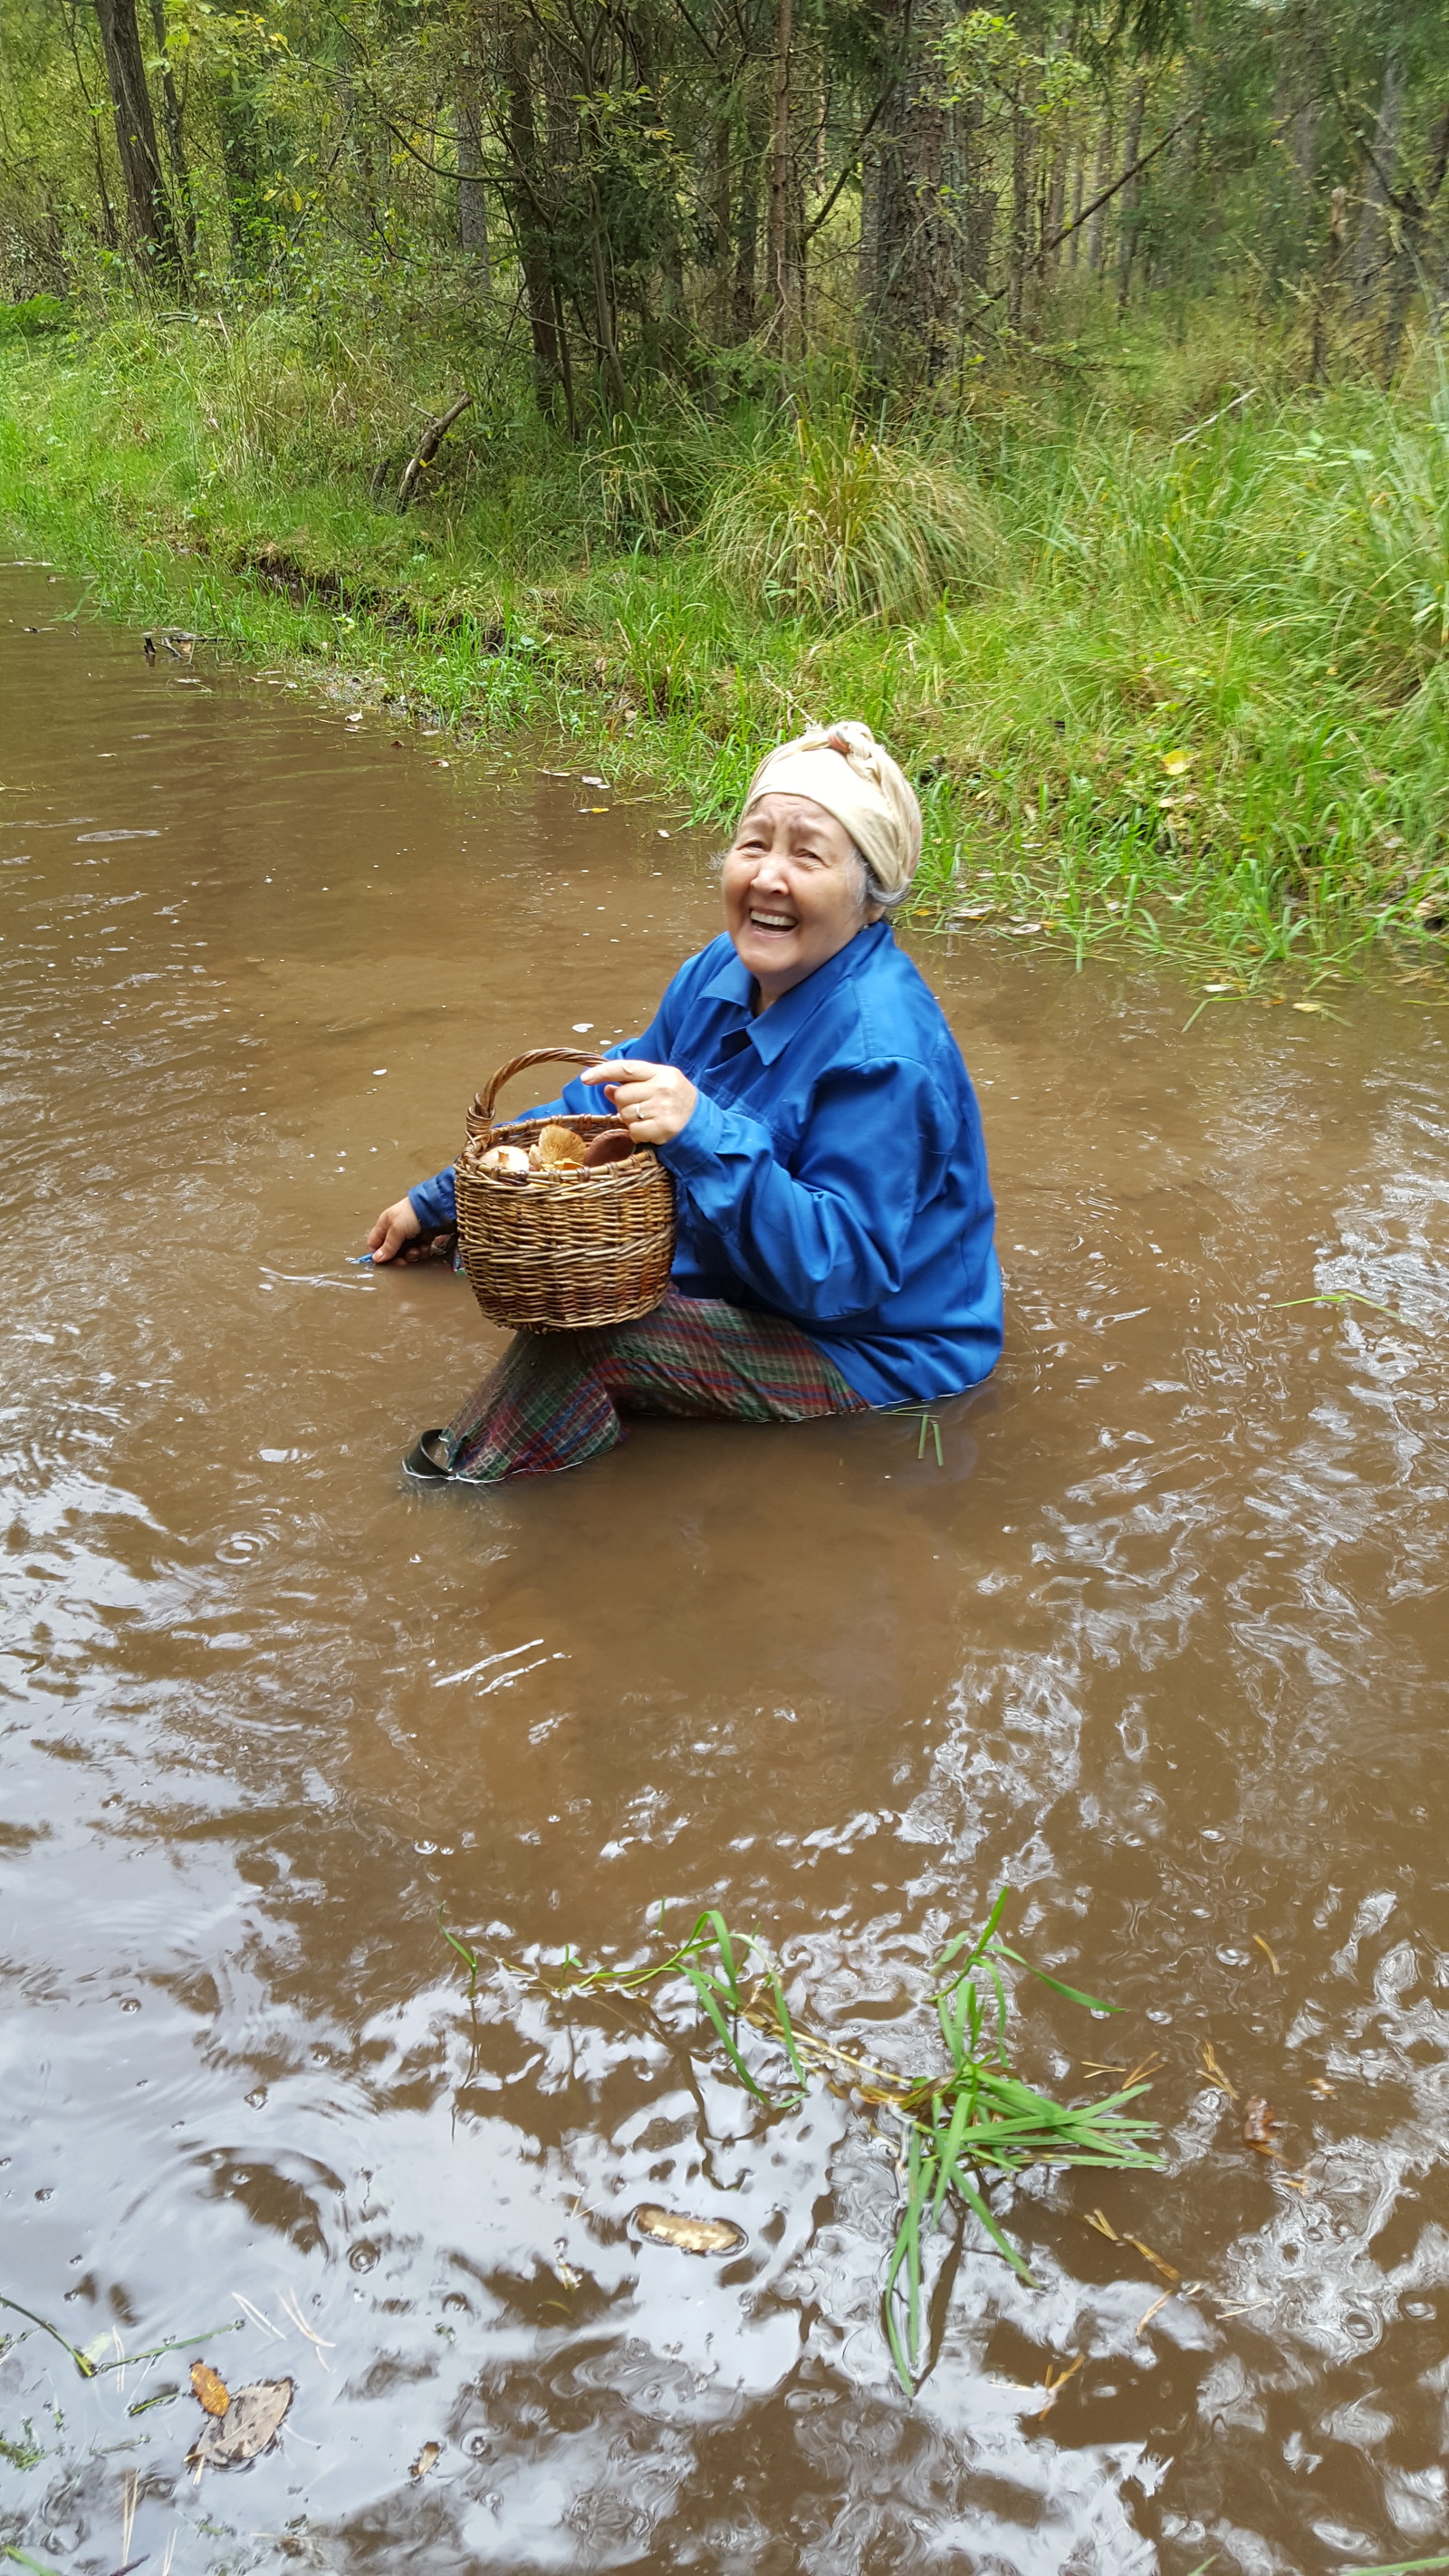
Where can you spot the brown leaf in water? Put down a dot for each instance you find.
(1271, 1957)
(1259, 2124)
(1097, 2218)
(209, 2386)
(690, 2235)
(250, 2426)
(427, 2458)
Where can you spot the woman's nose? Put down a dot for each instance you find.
(772, 870)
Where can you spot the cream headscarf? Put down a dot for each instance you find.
(845, 769)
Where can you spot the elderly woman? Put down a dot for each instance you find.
(801, 1083)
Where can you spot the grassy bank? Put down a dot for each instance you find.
(1169, 658)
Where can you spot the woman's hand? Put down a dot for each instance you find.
(397, 1226)
(653, 1100)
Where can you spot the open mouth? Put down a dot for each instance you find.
(775, 925)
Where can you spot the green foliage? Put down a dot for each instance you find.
(1198, 699)
(978, 2120)
(22, 2450)
(31, 320)
(832, 525)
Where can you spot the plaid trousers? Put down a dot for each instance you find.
(558, 1399)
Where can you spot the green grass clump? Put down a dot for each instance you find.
(828, 524)
(32, 319)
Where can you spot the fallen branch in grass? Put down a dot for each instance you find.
(427, 448)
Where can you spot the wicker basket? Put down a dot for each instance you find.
(555, 1256)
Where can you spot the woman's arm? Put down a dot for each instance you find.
(830, 1240)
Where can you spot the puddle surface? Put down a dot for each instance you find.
(1162, 1641)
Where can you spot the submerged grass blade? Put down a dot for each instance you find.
(1401, 2566)
(470, 1958)
(1092, 2003)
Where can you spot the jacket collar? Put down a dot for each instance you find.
(770, 1031)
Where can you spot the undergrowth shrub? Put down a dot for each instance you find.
(833, 525)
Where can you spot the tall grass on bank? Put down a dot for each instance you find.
(830, 525)
(957, 2128)
(1178, 682)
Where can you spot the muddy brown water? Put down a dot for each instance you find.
(1161, 1643)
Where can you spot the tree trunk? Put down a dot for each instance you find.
(175, 139)
(1371, 241)
(779, 246)
(1326, 293)
(1019, 253)
(1407, 267)
(1097, 225)
(1079, 196)
(721, 207)
(152, 226)
(1130, 198)
(915, 287)
(1056, 202)
(472, 202)
(530, 231)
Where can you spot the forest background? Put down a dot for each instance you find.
(1061, 389)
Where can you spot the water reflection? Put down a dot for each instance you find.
(1161, 1641)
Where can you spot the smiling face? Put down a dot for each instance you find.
(792, 892)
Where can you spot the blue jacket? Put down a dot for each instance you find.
(833, 1170)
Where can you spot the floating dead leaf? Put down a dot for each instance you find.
(690, 2235)
(427, 2458)
(1259, 2124)
(210, 2388)
(250, 2426)
(1321, 2085)
(1260, 1944)
(587, 781)
(1316, 1007)
(1103, 2225)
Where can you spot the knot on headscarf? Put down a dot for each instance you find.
(845, 769)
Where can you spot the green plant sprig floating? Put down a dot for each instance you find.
(958, 2127)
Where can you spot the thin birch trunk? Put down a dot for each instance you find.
(779, 263)
(1370, 247)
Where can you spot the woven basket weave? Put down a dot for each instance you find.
(556, 1256)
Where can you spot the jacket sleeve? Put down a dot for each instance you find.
(827, 1241)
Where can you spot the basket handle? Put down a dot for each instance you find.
(484, 1100)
